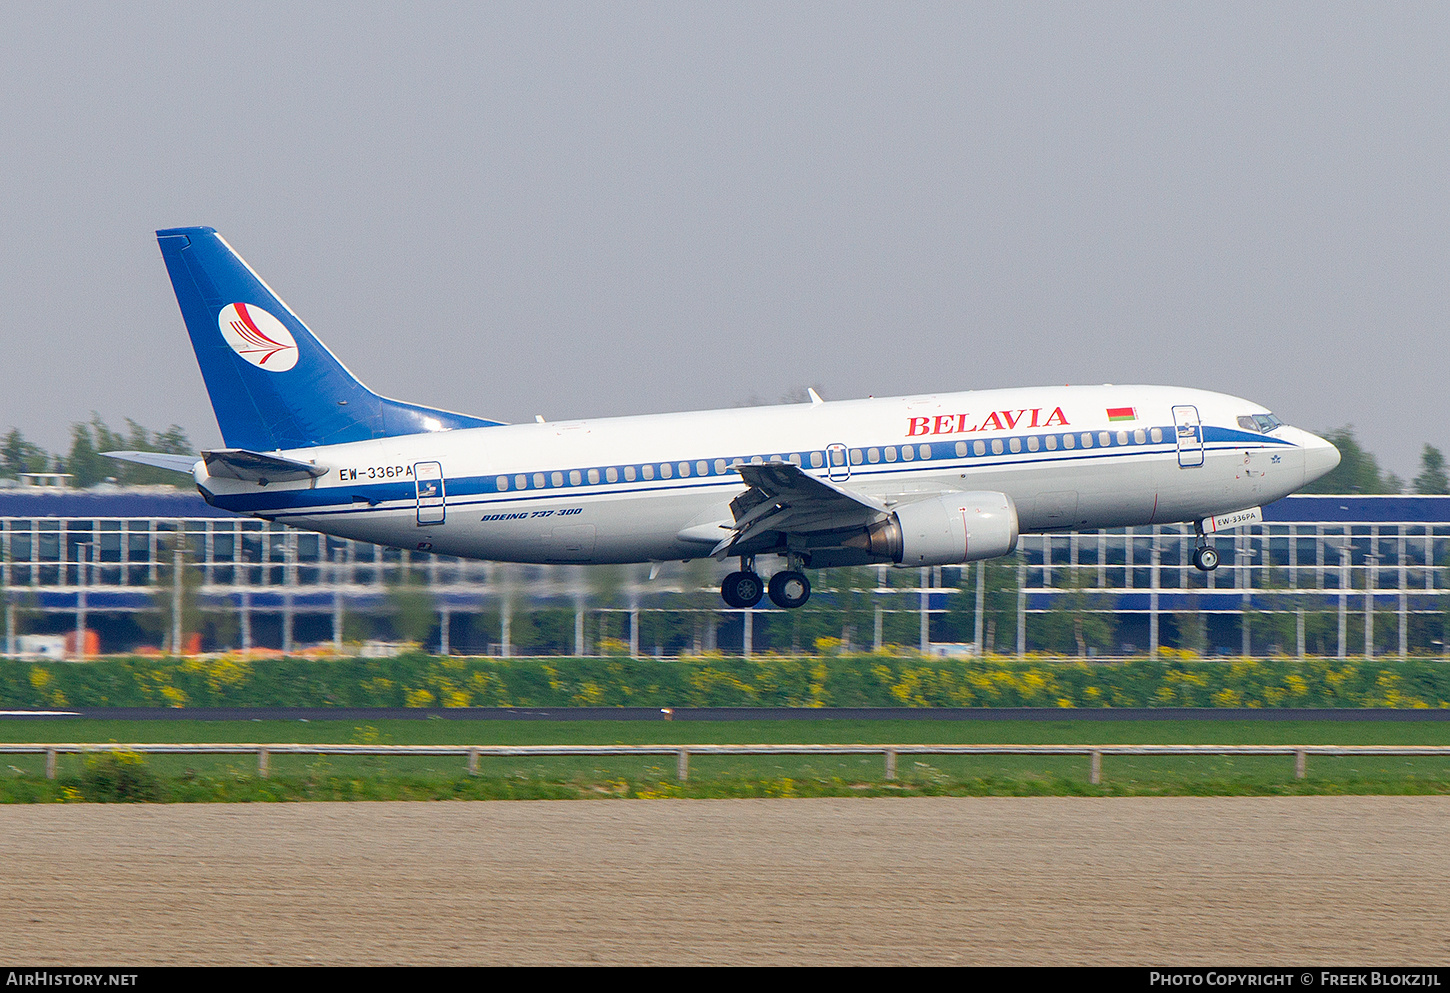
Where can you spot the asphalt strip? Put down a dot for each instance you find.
(733, 714)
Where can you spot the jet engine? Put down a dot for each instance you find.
(947, 530)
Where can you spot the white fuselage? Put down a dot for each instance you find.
(658, 487)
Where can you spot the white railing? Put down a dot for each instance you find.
(682, 753)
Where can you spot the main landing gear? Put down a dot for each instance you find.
(1205, 556)
(744, 588)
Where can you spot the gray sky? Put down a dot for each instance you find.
(582, 210)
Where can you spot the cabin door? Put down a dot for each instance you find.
(1189, 433)
(428, 478)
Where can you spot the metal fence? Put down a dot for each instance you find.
(682, 753)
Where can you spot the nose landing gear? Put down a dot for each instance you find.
(1205, 556)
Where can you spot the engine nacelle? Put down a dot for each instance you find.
(959, 527)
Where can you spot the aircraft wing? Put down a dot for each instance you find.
(259, 467)
(158, 460)
(784, 497)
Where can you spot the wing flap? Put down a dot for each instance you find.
(784, 497)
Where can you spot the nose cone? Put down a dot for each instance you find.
(1319, 457)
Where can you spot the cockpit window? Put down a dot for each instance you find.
(1259, 423)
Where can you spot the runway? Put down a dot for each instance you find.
(1051, 881)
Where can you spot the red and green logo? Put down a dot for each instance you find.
(1122, 414)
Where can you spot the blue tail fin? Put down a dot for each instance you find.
(272, 383)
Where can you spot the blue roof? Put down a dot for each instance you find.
(47, 502)
(1308, 508)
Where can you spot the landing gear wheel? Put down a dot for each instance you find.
(1205, 558)
(789, 589)
(741, 590)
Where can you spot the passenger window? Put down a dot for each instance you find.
(648, 471)
(1051, 442)
(702, 468)
(503, 483)
(558, 479)
(961, 449)
(1087, 440)
(611, 474)
(1068, 441)
(1157, 434)
(538, 480)
(574, 478)
(795, 459)
(907, 453)
(856, 456)
(1032, 443)
(684, 469)
(996, 446)
(891, 453)
(1139, 436)
(1015, 445)
(925, 451)
(665, 471)
(1122, 437)
(521, 482)
(979, 448)
(873, 455)
(629, 474)
(719, 467)
(593, 476)
(1104, 439)
(816, 460)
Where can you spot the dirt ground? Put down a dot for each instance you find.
(1309, 880)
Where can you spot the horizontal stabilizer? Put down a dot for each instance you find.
(258, 467)
(158, 460)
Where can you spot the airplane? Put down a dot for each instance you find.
(937, 479)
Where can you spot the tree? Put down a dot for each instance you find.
(1432, 478)
(18, 455)
(161, 619)
(84, 463)
(999, 607)
(88, 440)
(1358, 470)
(411, 608)
(1081, 617)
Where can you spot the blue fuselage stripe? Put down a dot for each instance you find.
(393, 496)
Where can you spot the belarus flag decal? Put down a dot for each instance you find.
(1122, 414)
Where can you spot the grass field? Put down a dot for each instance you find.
(201, 777)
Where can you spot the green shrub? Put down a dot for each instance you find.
(119, 777)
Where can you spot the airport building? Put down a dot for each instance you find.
(95, 570)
